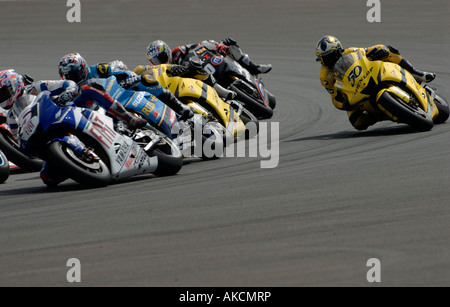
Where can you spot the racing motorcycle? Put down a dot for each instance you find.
(388, 91)
(230, 74)
(4, 167)
(164, 119)
(9, 144)
(90, 147)
(203, 99)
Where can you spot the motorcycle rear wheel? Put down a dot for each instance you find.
(4, 167)
(92, 174)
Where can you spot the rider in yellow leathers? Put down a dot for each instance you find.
(329, 49)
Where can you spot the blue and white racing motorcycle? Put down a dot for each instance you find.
(199, 136)
(4, 167)
(90, 147)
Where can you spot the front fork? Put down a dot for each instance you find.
(82, 151)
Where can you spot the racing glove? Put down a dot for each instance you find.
(188, 69)
(378, 54)
(130, 81)
(64, 98)
(27, 79)
(229, 42)
(178, 70)
(222, 49)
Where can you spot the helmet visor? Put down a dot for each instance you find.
(330, 59)
(74, 76)
(162, 58)
(5, 93)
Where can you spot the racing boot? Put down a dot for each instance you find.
(119, 112)
(245, 61)
(181, 109)
(224, 93)
(420, 76)
(51, 175)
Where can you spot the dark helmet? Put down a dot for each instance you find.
(73, 67)
(158, 52)
(328, 50)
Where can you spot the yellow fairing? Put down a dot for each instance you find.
(357, 76)
(192, 91)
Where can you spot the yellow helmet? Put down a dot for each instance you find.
(328, 50)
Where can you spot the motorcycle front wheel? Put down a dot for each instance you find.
(272, 100)
(251, 123)
(443, 108)
(10, 148)
(4, 167)
(409, 114)
(82, 170)
(170, 158)
(256, 106)
(213, 141)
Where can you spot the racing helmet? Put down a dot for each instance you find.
(328, 50)
(158, 52)
(12, 86)
(73, 67)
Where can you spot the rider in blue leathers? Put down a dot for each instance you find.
(74, 67)
(19, 90)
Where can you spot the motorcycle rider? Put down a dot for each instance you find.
(17, 91)
(61, 91)
(158, 52)
(74, 67)
(329, 50)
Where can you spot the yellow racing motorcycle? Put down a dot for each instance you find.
(203, 99)
(388, 91)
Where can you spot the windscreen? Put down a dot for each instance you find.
(343, 64)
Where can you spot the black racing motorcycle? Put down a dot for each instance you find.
(250, 89)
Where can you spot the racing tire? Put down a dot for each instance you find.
(170, 158)
(11, 149)
(253, 105)
(251, 123)
(272, 100)
(215, 141)
(416, 118)
(443, 108)
(4, 167)
(92, 174)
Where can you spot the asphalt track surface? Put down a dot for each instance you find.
(337, 198)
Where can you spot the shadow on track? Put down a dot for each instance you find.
(71, 186)
(385, 131)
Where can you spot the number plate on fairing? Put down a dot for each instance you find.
(28, 122)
